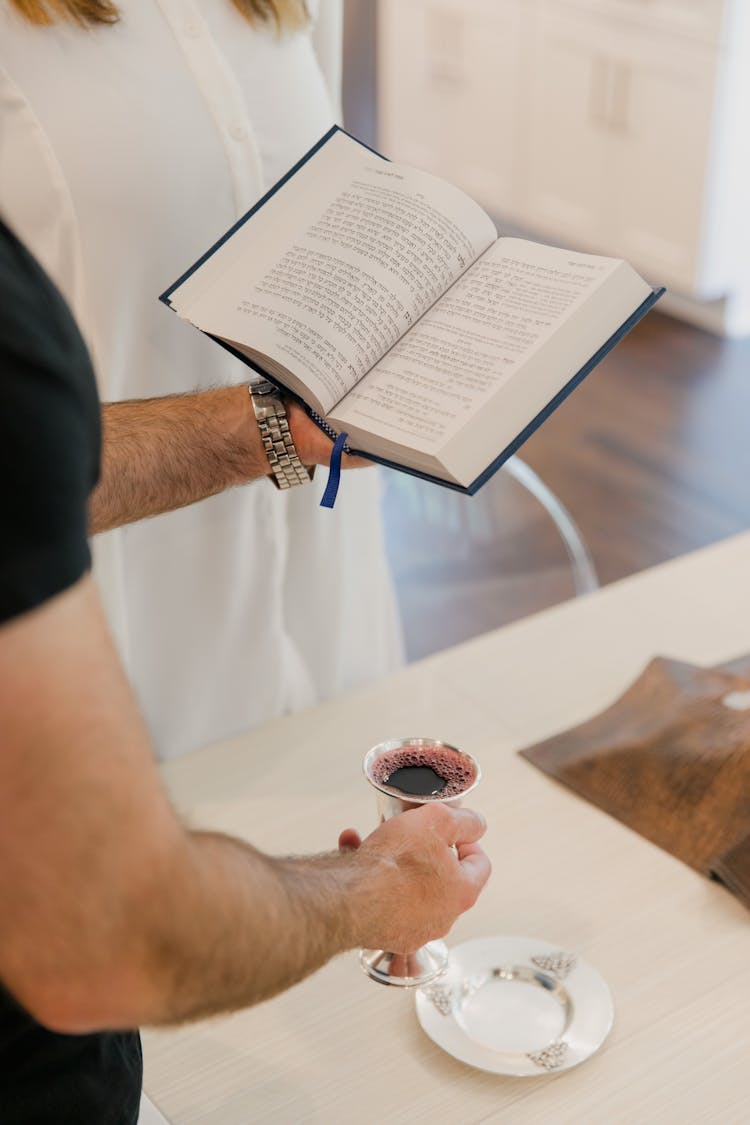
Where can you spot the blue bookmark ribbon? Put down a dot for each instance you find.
(334, 473)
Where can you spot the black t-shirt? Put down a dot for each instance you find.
(49, 462)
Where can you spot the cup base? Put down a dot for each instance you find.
(402, 970)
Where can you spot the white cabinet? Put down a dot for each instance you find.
(614, 125)
(702, 20)
(568, 146)
(618, 140)
(449, 86)
(659, 175)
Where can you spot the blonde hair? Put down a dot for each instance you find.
(286, 14)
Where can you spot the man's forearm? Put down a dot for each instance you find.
(211, 925)
(164, 453)
(114, 914)
(266, 922)
(226, 926)
(159, 454)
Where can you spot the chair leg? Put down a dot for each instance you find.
(584, 572)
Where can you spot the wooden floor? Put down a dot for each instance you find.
(651, 455)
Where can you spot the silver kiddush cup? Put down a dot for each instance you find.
(411, 970)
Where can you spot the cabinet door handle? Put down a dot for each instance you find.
(443, 74)
(445, 32)
(620, 106)
(598, 90)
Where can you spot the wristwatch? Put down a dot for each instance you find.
(286, 468)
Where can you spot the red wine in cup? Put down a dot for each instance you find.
(424, 771)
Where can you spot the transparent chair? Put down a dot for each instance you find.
(466, 564)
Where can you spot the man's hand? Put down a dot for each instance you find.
(312, 445)
(416, 884)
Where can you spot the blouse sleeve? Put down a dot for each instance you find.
(35, 199)
(328, 33)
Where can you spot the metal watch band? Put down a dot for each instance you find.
(286, 468)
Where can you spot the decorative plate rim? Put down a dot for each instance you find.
(588, 1029)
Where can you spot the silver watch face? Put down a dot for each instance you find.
(267, 400)
(261, 386)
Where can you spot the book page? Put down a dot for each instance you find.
(506, 307)
(335, 267)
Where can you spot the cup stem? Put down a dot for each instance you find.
(406, 970)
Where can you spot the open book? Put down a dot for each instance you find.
(383, 300)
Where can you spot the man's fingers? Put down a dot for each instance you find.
(349, 461)
(474, 863)
(349, 840)
(466, 850)
(464, 826)
(313, 446)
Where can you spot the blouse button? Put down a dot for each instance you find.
(192, 30)
(237, 132)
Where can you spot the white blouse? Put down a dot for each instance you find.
(125, 151)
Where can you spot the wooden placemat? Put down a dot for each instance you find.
(671, 760)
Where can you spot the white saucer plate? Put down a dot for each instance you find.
(514, 1005)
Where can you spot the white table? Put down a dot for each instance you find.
(674, 947)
